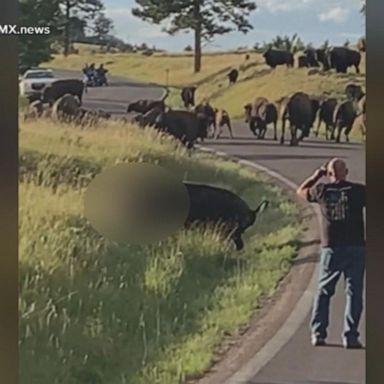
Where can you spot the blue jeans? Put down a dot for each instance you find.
(349, 261)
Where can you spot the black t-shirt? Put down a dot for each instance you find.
(341, 204)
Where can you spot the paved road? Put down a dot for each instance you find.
(297, 361)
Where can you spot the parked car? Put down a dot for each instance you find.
(34, 80)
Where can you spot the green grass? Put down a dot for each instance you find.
(92, 311)
(23, 103)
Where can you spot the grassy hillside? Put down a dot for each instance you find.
(92, 311)
(153, 68)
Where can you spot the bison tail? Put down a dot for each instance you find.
(261, 207)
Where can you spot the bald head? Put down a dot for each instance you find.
(337, 169)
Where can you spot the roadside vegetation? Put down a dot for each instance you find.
(92, 311)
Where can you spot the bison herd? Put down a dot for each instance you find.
(337, 58)
(298, 110)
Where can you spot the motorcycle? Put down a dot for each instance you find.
(95, 78)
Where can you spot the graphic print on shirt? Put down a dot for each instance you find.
(337, 204)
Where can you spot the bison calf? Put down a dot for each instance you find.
(327, 109)
(343, 118)
(222, 119)
(233, 76)
(213, 205)
(188, 96)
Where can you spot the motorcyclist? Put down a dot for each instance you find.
(101, 72)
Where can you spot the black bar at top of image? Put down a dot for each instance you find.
(375, 193)
(8, 198)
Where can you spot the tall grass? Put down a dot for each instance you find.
(93, 311)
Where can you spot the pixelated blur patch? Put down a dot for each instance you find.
(136, 203)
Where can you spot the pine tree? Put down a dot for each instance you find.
(206, 18)
(89, 9)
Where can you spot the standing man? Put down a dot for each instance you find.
(343, 248)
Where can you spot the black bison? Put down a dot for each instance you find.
(354, 92)
(207, 117)
(149, 118)
(259, 114)
(326, 111)
(311, 56)
(299, 111)
(344, 116)
(183, 125)
(217, 206)
(60, 88)
(275, 57)
(222, 119)
(232, 76)
(143, 106)
(188, 96)
(341, 58)
(65, 108)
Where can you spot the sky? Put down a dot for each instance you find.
(314, 20)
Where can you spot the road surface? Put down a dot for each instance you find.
(297, 361)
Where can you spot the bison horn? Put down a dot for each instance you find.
(262, 206)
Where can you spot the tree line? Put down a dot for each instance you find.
(70, 19)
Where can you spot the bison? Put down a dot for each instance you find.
(65, 108)
(207, 118)
(326, 111)
(217, 206)
(275, 57)
(35, 110)
(299, 111)
(183, 125)
(354, 92)
(149, 118)
(59, 88)
(188, 96)
(315, 103)
(232, 76)
(259, 114)
(143, 105)
(341, 58)
(222, 119)
(344, 116)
